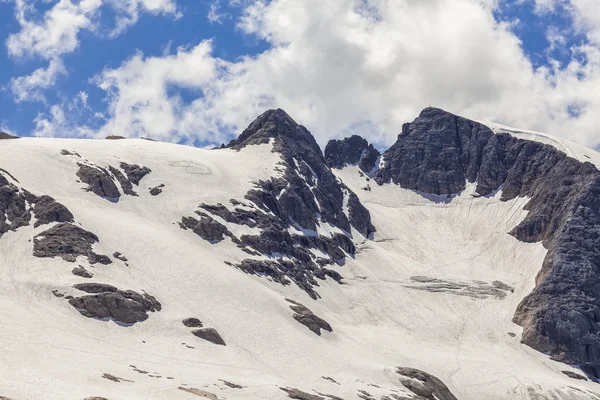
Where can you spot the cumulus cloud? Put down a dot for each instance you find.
(360, 66)
(56, 32)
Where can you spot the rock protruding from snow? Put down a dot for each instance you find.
(307, 177)
(135, 172)
(306, 198)
(351, 151)
(99, 181)
(48, 210)
(210, 335)
(108, 302)
(424, 385)
(82, 272)
(14, 211)
(192, 323)
(307, 318)
(67, 241)
(440, 152)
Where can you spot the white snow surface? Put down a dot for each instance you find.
(381, 318)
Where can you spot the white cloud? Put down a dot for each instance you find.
(56, 32)
(360, 66)
(31, 87)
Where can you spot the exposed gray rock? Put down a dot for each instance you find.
(82, 272)
(48, 210)
(155, 191)
(575, 375)
(134, 172)
(66, 241)
(113, 378)
(351, 151)
(231, 385)
(192, 323)
(95, 398)
(69, 153)
(439, 153)
(308, 194)
(307, 318)
(14, 212)
(123, 181)
(474, 289)
(207, 228)
(108, 302)
(114, 137)
(4, 136)
(300, 395)
(209, 334)
(199, 392)
(99, 181)
(423, 384)
(120, 256)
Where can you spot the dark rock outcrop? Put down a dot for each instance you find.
(4, 136)
(82, 272)
(575, 375)
(192, 323)
(439, 153)
(134, 172)
(14, 210)
(351, 151)
(209, 334)
(207, 228)
(108, 302)
(99, 181)
(123, 181)
(48, 210)
(425, 385)
(120, 256)
(300, 395)
(307, 318)
(155, 191)
(306, 195)
(66, 241)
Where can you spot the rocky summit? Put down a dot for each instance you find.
(460, 263)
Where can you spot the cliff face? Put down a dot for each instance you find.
(439, 153)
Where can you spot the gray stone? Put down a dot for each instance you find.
(575, 375)
(82, 272)
(134, 172)
(126, 185)
(192, 323)
(307, 318)
(351, 151)
(209, 334)
(108, 302)
(48, 210)
(67, 241)
(423, 384)
(99, 181)
(300, 395)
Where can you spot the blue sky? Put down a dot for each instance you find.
(339, 69)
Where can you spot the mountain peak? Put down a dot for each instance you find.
(273, 124)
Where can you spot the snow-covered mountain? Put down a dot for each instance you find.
(462, 263)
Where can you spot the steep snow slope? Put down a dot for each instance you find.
(435, 289)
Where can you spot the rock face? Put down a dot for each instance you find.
(67, 241)
(48, 210)
(99, 181)
(14, 211)
(352, 150)
(425, 385)
(107, 301)
(192, 323)
(134, 172)
(306, 195)
(308, 319)
(439, 153)
(209, 334)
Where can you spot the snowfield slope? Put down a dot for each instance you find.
(435, 288)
